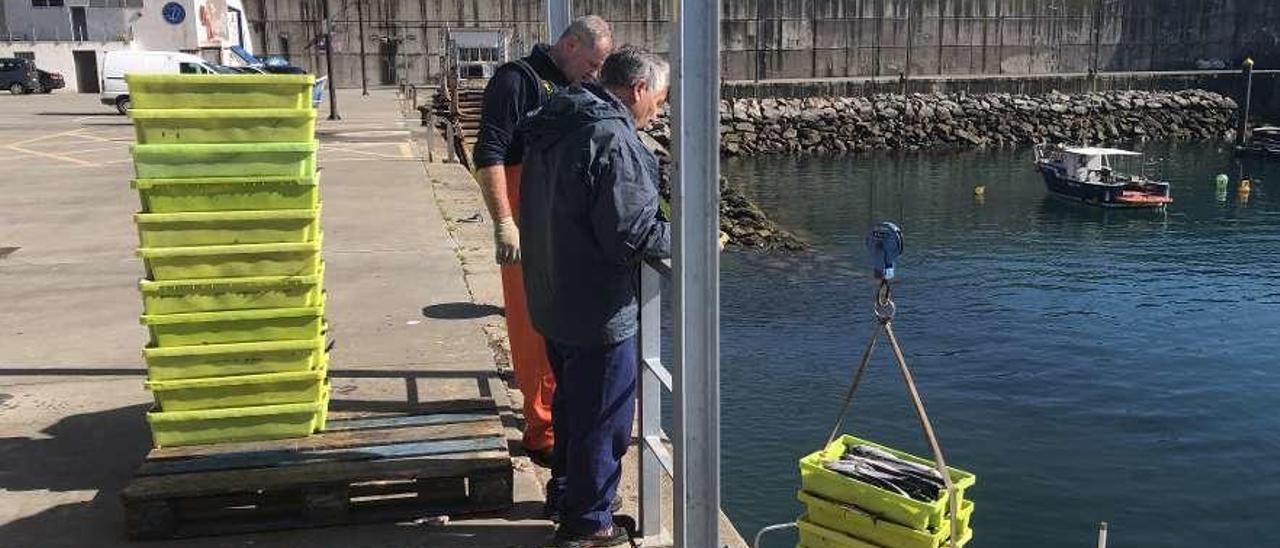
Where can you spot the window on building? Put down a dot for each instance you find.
(28, 55)
(47, 3)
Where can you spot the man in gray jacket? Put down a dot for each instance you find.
(589, 211)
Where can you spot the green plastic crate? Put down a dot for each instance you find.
(283, 226)
(235, 326)
(894, 507)
(231, 261)
(202, 126)
(813, 535)
(239, 390)
(862, 525)
(220, 91)
(220, 294)
(227, 194)
(171, 363)
(266, 422)
(225, 160)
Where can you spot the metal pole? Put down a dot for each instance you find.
(696, 258)
(364, 76)
(1102, 535)
(1243, 129)
(328, 62)
(559, 13)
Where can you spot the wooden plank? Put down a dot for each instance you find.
(406, 420)
(263, 459)
(339, 439)
(235, 481)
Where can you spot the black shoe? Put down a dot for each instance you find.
(553, 514)
(619, 534)
(541, 457)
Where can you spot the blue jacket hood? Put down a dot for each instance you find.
(572, 108)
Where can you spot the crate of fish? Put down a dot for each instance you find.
(225, 160)
(220, 91)
(897, 486)
(270, 226)
(813, 535)
(194, 194)
(859, 523)
(235, 326)
(239, 390)
(253, 423)
(202, 361)
(204, 126)
(231, 261)
(220, 294)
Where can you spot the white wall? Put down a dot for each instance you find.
(57, 57)
(152, 33)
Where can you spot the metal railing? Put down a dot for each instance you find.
(652, 380)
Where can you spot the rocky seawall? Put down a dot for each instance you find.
(845, 125)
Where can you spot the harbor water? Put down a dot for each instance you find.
(1088, 365)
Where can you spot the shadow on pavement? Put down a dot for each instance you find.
(460, 311)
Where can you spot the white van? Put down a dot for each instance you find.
(118, 63)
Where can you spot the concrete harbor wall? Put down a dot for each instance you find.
(781, 39)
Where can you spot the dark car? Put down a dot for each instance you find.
(18, 75)
(50, 81)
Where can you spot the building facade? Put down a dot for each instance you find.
(71, 36)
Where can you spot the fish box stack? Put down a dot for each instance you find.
(858, 494)
(230, 238)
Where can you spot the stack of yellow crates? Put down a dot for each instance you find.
(842, 512)
(230, 238)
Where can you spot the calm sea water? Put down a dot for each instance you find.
(1087, 365)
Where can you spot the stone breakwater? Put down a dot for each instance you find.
(844, 125)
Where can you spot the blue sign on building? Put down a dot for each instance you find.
(174, 13)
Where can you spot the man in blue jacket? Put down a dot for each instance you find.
(589, 216)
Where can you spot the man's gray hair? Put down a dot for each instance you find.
(588, 29)
(630, 65)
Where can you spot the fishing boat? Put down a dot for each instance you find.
(1263, 141)
(1085, 174)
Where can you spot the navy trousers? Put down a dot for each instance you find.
(591, 414)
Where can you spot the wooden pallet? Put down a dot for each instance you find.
(360, 469)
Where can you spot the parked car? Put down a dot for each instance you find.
(19, 76)
(116, 64)
(50, 81)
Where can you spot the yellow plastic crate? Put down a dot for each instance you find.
(231, 261)
(860, 524)
(903, 510)
(239, 390)
(221, 294)
(220, 91)
(172, 363)
(235, 326)
(227, 193)
(813, 535)
(265, 422)
(270, 226)
(225, 160)
(203, 126)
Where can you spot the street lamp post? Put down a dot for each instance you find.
(328, 62)
(364, 77)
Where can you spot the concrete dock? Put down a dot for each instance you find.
(414, 306)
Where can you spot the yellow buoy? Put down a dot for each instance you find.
(980, 190)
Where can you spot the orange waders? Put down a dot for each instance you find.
(528, 351)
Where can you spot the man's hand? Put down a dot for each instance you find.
(724, 240)
(506, 241)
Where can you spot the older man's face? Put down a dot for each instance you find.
(646, 103)
(585, 60)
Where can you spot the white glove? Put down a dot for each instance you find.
(506, 241)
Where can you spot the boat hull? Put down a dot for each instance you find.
(1098, 195)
